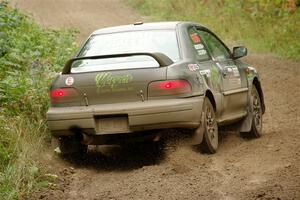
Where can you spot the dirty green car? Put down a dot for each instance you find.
(127, 83)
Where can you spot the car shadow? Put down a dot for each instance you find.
(118, 158)
(138, 155)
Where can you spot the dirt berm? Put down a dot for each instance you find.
(264, 168)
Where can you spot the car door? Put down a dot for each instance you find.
(233, 82)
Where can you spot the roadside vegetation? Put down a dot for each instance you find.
(263, 25)
(29, 58)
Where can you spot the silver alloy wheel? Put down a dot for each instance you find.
(257, 111)
(211, 127)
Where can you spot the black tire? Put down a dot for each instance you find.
(71, 146)
(256, 112)
(210, 136)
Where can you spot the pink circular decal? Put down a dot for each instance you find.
(69, 81)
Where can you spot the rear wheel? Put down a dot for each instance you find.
(256, 112)
(210, 136)
(71, 146)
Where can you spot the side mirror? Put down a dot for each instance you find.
(239, 52)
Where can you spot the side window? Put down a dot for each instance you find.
(197, 44)
(214, 46)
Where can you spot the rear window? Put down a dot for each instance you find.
(162, 41)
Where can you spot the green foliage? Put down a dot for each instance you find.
(30, 57)
(264, 25)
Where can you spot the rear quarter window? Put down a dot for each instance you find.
(197, 45)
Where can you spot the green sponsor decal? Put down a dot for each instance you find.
(250, 76)
(215, 78)
(107, 81)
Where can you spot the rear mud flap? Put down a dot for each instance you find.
(198, 133)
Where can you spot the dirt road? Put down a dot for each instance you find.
(265, 168)
(84, 15)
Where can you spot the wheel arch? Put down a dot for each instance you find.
(210, 96)
(257, 84)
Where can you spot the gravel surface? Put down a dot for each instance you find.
(264, 168)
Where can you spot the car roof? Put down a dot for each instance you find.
(138, 26)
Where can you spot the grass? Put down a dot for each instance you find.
(264, 26)
(30, 57)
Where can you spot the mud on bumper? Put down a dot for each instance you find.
(108, 119)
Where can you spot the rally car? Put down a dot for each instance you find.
(128, 82)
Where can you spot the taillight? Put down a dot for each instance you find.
(62, 95)
(57, 93)
(169, 87)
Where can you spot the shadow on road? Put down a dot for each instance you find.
(119, 158)
(138, 155)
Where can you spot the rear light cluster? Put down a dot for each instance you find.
(61, 95)
(169, 87)
(57, 93)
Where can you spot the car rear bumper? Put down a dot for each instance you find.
(133, 116)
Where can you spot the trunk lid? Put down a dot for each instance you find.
(116, 86)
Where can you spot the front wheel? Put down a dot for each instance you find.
(210, 136)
